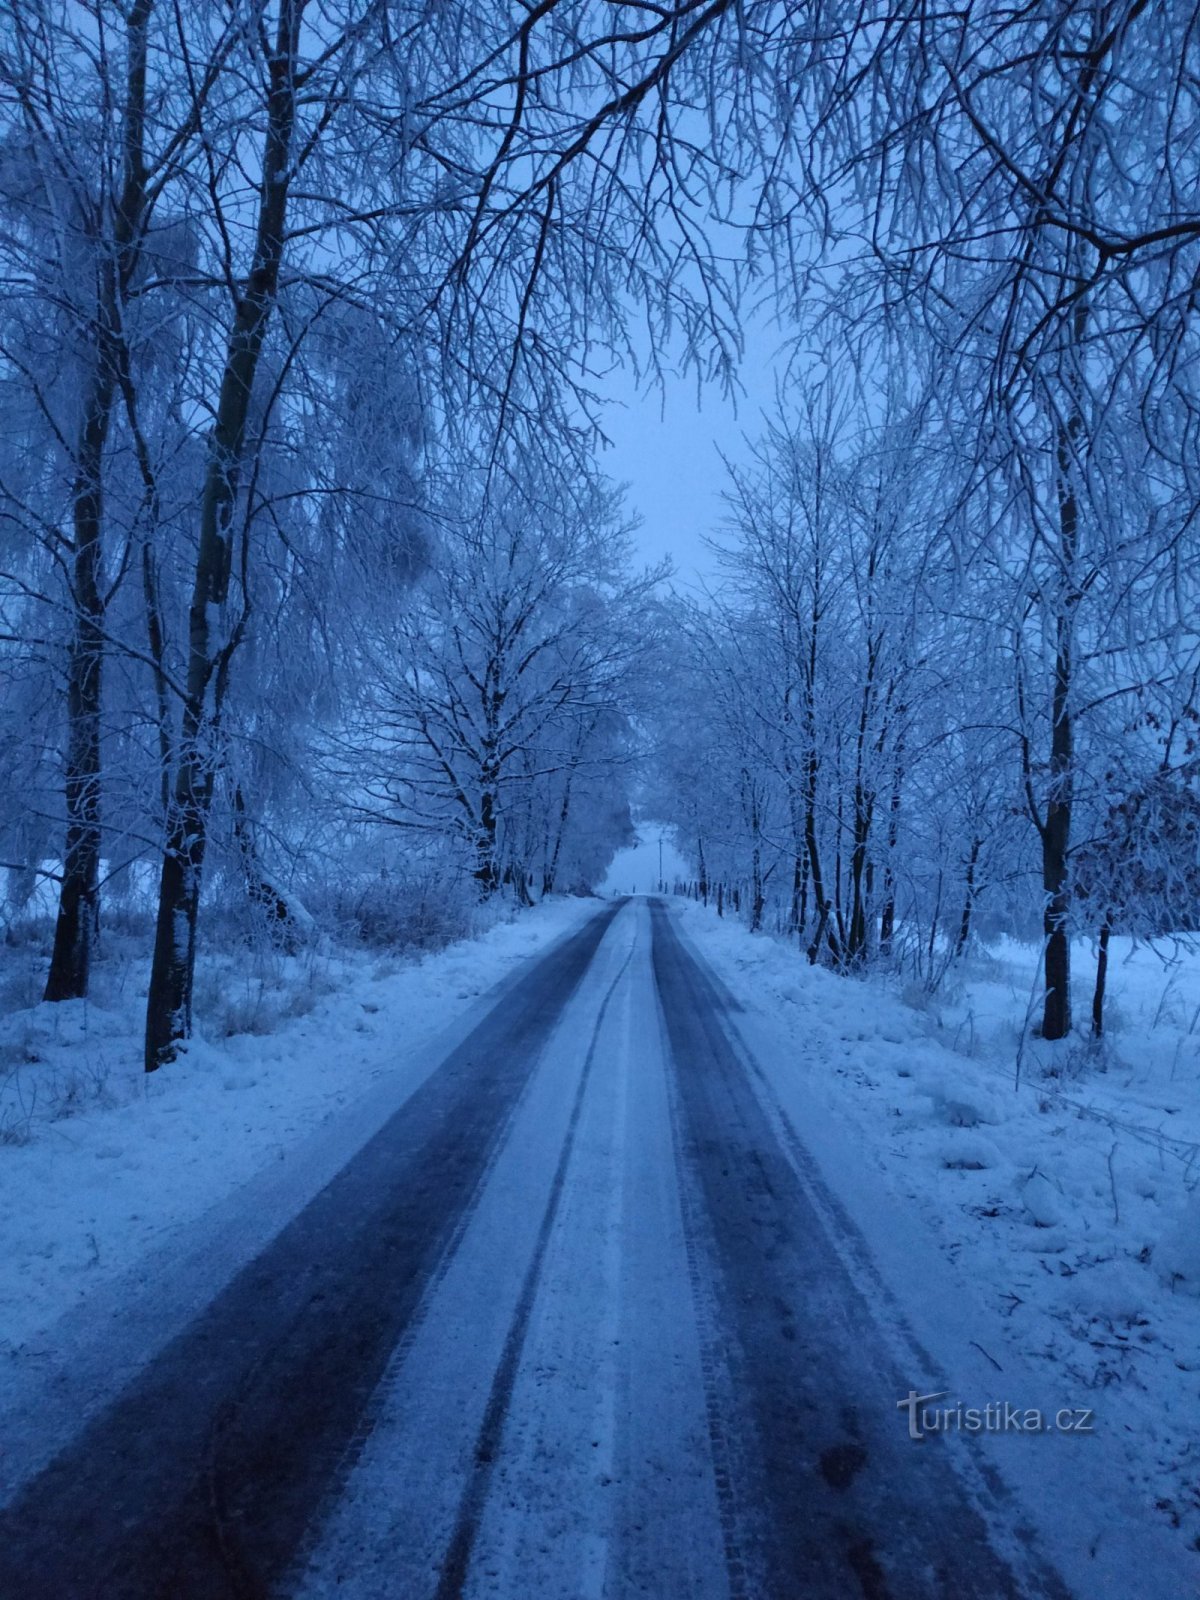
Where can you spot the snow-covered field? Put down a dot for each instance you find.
(1064, 1199)
(100, 1165)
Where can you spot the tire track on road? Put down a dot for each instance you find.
(199, 1479)
(458, 1555)
(820, 1494)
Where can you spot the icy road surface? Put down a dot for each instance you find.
(579, 1320)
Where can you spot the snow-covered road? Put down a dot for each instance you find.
(578, 1320)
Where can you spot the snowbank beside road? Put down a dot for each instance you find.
(100, 1165)
(1061, 1203)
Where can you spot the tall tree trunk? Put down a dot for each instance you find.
(516, 877)
(753, 809)
(798, 910)
(964, 925)
(1056, 830)
(264, 895)
(813, 850)
(487, 865)
(814, 949)
(169, 1002)
(856, 939)
(864, 798)
(1056, 843)
(838, 917)
(78, 902)
(1101, 980)
(934, 924)
(812, 770)
(887, 916)
(550, 876)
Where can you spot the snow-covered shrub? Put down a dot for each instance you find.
(958, 1103)
(422, 911)
(82, 1084)
(1069, 1059)
(1042, 1199)
(966, 1153)
(256, 1008)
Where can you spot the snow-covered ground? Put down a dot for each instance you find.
(100, 1165)
(1062, 1198)
(1035, 1233)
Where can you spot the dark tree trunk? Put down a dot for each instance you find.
(856, 940)
(1056, 829)
(78, 916)
(520, 884)
(964, 926)
(797, 908)
(551, 874)
(78, 902)
(812, 771)
(864, 806)
(934, 924)
(814, 860)
(757, 897)
(887, 917)
(265, 895)
(814, 949)
(1056, 837)
(169, 1001)
(1101, 981)
(487, 867)
(798, 911)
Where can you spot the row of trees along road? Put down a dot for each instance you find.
(305, 300)
(955, 652)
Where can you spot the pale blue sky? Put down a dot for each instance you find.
(665, 444)
(669, 460)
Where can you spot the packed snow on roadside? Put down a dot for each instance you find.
(100, 1163)
(1063, 1181)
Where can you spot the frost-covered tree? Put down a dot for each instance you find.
(497, 686)
(95, 124)
(285, 273)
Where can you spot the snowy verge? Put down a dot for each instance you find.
(101, 1167)
(1060, 1207)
